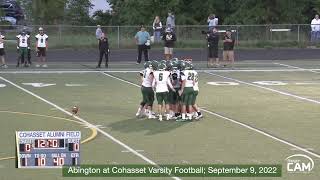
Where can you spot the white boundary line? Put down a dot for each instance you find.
(87, 123)
(267, 88)
(295, 67)
(239, 123)
(136, 70)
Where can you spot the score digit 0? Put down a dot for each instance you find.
(58, 161)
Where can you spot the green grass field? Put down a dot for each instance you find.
(248, 122)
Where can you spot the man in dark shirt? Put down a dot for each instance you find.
(228, 44)
(27, 30)
(213, 45)
(103, 50)
(169, 38)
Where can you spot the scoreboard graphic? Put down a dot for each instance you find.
(47, 149)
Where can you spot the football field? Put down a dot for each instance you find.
(259, 112)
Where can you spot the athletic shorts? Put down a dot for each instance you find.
(2, 53)
(228, 55)
(174, 97)
(187, 96)
(41, 51)
(168, 50)
(147, 95)
(162, 97)
(194, 98)
(213, 52)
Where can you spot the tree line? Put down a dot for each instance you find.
(187, 12)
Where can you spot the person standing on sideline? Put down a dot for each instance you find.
(41, 47)
(228, 45)
(142, 38)
(28, 31)
(171, 21)
(169, 38)
(103, 50)
(157, 28)
(315, 29)
(98, 32)
(212, 21)
(2, 52)
(213, 47)
(23, 43)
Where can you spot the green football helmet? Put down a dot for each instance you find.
(181, 65)
(147, 64)
(154, 64)
(162, 67)
(169, 65)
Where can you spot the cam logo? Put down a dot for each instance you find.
(299, 163)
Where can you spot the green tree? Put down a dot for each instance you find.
(77, 12)
(48, 11)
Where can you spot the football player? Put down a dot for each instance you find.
(2, 53)
(160, 83)
(187, 92)
(41, 47)
(23, 44)
(146, 77)
(174, 97)
(197, 112)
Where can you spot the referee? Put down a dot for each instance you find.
(213, 46)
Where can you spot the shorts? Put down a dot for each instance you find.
(168, 50)
(174, 97)
(194, 98)
(2, 53)
(162, 97)
(41, 51)
(228, 55)
(147, 95)
(187, 96)
(213, 52)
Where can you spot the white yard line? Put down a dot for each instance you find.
(296, 67)
(239, 123)
(267, 88)
(87, 123)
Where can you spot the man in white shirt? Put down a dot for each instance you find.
(41, 47)
(160, 83)
(2, 53)
(212, 21)
(315, 29)
(23, 43)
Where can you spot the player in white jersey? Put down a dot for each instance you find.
(187, 92)
(2, 52)
(146, 76)
(197, 112)
(160, 83)
(41, 47)
(23, 43)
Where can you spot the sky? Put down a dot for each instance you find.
(99, 5)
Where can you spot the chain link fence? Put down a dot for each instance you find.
(122, 37)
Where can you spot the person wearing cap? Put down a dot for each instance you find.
(23, 44)
(41, 47)
(98, 32)
(142, 39)
(228, 45)
(2, 53)
(169, 38)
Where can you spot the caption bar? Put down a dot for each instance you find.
(173, 170)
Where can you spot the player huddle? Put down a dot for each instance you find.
(175, 85)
